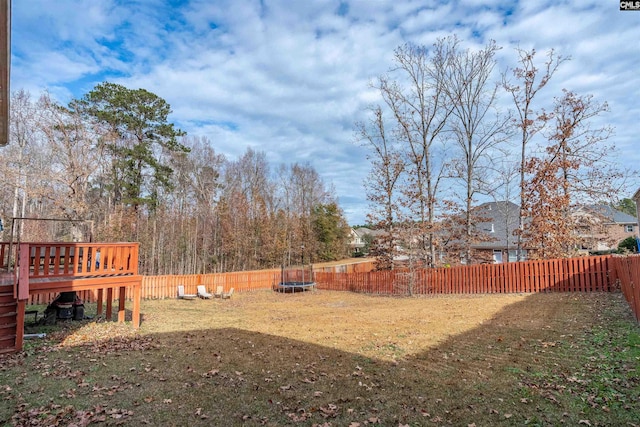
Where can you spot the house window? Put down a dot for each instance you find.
(628, 228)
(513, 255)
(497, 256)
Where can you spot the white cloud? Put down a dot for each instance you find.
(291, 78)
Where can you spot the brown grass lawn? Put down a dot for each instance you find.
(337, 359)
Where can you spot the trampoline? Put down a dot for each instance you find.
(296, 279)
(295, 286)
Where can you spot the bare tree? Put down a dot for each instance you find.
(308, 191)
(418, 103)
(476, 124)
(22, 129)
(245, 187)
(205, 175)
(25, 164)
(529, 80)
(387, 167)
(505, 171)
(74, 157)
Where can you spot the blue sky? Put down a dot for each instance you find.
(290, 77)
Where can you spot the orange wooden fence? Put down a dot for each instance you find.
(586, 274)
(161, 287)
(628, 269)
(158, 287)
(355, 267)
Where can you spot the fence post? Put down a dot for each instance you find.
(612, 275)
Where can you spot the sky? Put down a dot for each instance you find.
(290, 78)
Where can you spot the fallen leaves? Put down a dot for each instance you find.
(53, 415)
(200, 413)
(210, 374)
(238, 375)
(330, 410)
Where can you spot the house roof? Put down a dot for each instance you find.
(501, 220)
(364, 231)
(612, 214)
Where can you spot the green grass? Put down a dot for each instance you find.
(337, 359)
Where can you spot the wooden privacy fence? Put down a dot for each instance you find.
(158, 287)
(628, 269)
(355, 267)
(161, 287)
(584, 274)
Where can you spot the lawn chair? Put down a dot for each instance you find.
(227, 294)
(219, 291)
(202, 292)
(182, 295)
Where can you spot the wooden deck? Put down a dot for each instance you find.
(61, 267)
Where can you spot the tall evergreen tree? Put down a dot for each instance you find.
(136, 133)
(331, 231)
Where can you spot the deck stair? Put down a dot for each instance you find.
(8, 319)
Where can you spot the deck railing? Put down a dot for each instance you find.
(46, 263)
(81, 259)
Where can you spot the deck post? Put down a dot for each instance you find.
(109, 313)
(137, 291)
(121, 300)
(20, 323)
(22, 291)
(99, 302)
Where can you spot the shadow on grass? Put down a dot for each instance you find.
(537, 362)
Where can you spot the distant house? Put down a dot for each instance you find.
(356, 241)
(499, 221)
(360, 238)
(601, 228)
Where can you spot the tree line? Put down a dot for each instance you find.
(111, 167)
(450, 129)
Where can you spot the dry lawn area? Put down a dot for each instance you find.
(381, 328)
(337, 359)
